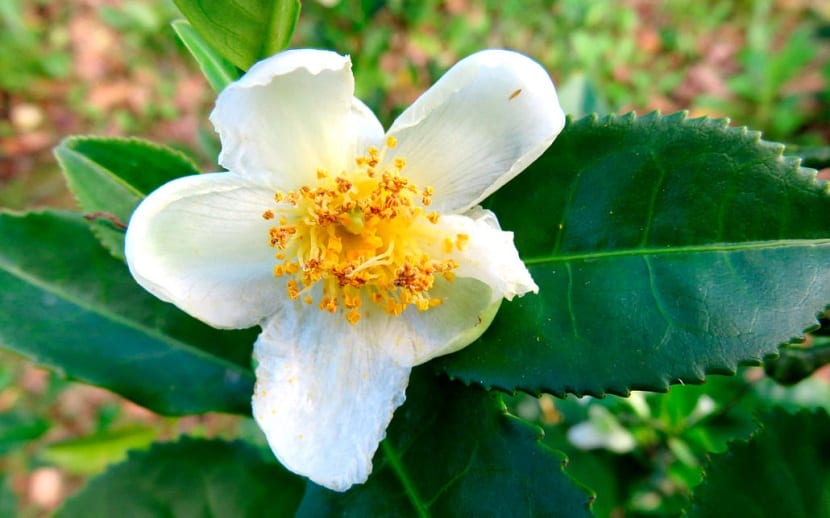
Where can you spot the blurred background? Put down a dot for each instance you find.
(115, 67)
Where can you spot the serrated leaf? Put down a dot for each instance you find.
(110, 176)
(218, 71)
(783, 470)
(190, 478)
(69, 305)
(243, 31)
(454, 451)
(665, 249)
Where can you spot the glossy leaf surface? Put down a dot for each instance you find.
(218, 71)
(665, 248)
(190, 478)
(783, 470)
(243, 31)
(69, 305)
(110, 176)
(454, 451)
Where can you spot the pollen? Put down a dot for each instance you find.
(358, 239)
(353, 316)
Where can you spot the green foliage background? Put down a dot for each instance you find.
(643, 454)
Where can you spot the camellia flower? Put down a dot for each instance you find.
(360, 253)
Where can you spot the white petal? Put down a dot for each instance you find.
(415, 337)
(489, 255)
(489, 270)
(481, 124)
(366, 129)
(324, 395)
(201, 243)
(288, 116)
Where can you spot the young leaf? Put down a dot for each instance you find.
(243, 31)
(454, 451)
(69, 305)
(110, 176)
(665, 249)
(192, 477)
(770, 475)
(218, 71)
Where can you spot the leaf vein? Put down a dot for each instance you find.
(571, 309)
(652, 202)
(409, 488)
(670, 250)
(563, 220)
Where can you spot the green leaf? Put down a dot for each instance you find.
(190, 478)
(243, 31)
(817, 157)
(454, 451)
(218, 71)
(18, 427)
(797, 363)
(92, 454)
(664, 248)
(68, 304)
(110, 176)
(8, 500)
(783, 470)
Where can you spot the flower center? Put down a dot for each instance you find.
(360, 234)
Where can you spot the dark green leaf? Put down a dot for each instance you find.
(665, 249)
(797, 363)
(110, 176)
(783, 470)
(243, 31)
(17, 428)
(218, 71)
(454, 451)
(67, 304)
(191, 478)
(816, 157)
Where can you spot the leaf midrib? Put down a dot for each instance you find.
(119, 319)
(409, 488)
(97, 167)
(673, 250)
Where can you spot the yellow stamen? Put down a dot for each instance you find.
(361, 235)
(293, 290)
(353, 316)
(448, 244)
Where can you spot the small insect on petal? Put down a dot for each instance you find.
(514, 94)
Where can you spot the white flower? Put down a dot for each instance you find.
(601, 430)
(360, 253)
